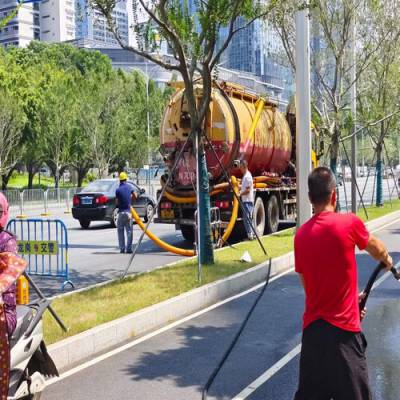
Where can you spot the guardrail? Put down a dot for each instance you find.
(44, 244)
(39, 201)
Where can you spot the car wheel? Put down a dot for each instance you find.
(149, 212)
(85, 223)
(114, 218)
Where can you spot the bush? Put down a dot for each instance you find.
(90, 177)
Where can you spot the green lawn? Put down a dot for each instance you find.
(376, 212)
(85, 310)
(20, 181)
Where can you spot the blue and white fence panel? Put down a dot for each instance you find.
(44, 244)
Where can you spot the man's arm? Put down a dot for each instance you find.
(245, 191)
(247, 187)
(377, 250)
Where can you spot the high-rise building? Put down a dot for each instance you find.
(57, 20)
(23, 28)
(257, 49)
(91, 24)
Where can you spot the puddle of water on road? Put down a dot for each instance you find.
(382, 329)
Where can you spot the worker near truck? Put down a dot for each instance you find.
(124, 196)
(247, 196)
(332, 361)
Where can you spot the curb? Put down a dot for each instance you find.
(69, 352)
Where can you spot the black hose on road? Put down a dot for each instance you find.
(236, 338)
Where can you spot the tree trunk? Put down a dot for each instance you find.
(206, 250)
(31, 173)
(334, 151)
(5, 179)
(81, 175)
(379, 181)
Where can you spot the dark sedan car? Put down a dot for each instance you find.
(96, 202)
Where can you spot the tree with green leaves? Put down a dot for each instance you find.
(380, 87)
(330, 58)
(193, 37)
(11, 124)
(57, 117)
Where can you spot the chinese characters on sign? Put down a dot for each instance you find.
(41, 247)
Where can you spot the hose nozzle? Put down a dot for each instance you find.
(395, 273)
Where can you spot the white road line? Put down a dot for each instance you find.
(270, 372)
(173, 325)
(158, 332)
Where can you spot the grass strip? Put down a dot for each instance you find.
(85, 310)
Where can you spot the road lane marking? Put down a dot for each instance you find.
(150, 335)
(270, 372)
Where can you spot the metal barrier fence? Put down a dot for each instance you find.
(39, 200)
(44, 244)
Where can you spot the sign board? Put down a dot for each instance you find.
(39, 247)
(146, 167)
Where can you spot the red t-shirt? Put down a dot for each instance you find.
(324, 254)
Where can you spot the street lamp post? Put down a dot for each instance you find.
(353, 95)
(148, 114)
(303, 115)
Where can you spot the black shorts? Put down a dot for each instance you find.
(332, 364)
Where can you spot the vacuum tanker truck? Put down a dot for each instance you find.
(238, 125)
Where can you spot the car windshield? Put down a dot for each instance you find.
(99, 186)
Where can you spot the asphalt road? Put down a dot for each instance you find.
(367, 188)
(175, 364)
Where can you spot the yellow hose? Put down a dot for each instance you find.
(187, 200)
(191, 253)
(235, 210)
(158, 241)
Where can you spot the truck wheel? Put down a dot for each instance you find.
(84, 223)
(259, 216)
(272, 221)
(188, 233)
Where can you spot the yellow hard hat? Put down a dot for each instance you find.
(123, 176)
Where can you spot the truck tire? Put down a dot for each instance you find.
(272, 220)
(259, 216)
(188, 232)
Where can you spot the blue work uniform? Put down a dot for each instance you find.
(124, 221)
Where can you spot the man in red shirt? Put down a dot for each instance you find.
(332, 361)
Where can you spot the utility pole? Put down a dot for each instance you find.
(353, 95)
(303, 115)
(148, 126)
(148, 116)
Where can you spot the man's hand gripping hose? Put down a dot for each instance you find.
(380, 267)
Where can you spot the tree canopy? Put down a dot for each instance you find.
(71, 110)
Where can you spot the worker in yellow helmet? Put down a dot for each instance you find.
(124, 196)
